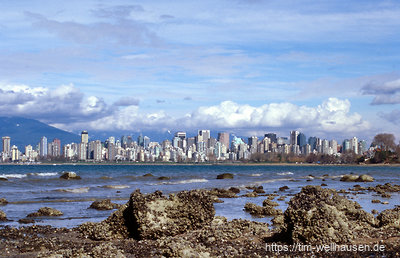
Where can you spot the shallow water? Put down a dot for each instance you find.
(30, 187)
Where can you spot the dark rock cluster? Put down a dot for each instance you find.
(184, 225)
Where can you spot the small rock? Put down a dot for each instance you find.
(283, 188)
(252, 194)
(259, 191)
(270, 203)
(376, 201)
(234, 190)
(164, 178)
(3, 179)
(225, 176)
(374, 211)
(3, 201)
(70, 175)
(105, 204)
(386, 202)
(282, 198)
(3, 216)
(105, 177)
(148, 175)
(324, 185)
(26, 221)
(45, 212)
(386, 195)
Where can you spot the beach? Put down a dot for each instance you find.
(250, 210)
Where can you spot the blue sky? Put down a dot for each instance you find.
(327, 68)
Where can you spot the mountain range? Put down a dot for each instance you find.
(24, 131)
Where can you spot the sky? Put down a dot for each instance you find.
(330, 69)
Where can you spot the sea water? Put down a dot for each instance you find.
(29, 187)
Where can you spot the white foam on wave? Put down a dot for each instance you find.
(256, 174)
(188, 181)
(116, 186)
(75, 190)
(44, 174)
(284, 173)
(13, 175)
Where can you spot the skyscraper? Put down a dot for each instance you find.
(43, 147)
(223, 138)
(301, 140)
(203, 136)
(6, 145)
(293, 137)
(272, 136)
(84, 137)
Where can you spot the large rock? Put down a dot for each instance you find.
(3, 216)
(356, 178)
(155, 215)
(320, 216)
(365, 178)
(225, 176)
(45, 212)
(349, 178)
(390, 218)
(105, 204)
(69, 176)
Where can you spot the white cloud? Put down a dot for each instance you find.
(64, 104)
(385, 92)
(331, 117)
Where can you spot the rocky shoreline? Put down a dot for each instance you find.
(184, 225)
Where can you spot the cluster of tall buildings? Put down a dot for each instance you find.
(199, 148)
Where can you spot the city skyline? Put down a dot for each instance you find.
(247, 67)
(202, 147)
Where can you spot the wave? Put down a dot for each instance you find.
(256, 174)
(13, 175)
(284, 173)
(115, 186)
(75, 190)
(43, 174)
(188, 181)
(272, 181)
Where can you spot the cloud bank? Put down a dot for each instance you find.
(68, 108)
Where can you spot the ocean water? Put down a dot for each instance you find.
(30, 187)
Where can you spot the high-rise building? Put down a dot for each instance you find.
(301, 140)
(84, 137)
(43, 147)
(146, 142)
(293, 137)
(140, 140)
(203, 135)
(14, 153)
(55, 148)
(313, 142)
(6, 145)
(271, 136)
(223, 138)
(253, 142)
(82, 151)
(354, 144)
